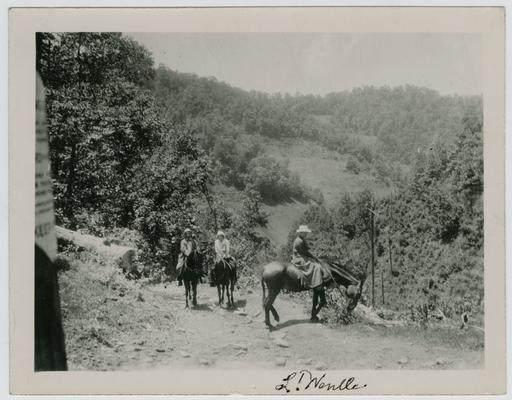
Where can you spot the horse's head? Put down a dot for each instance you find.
(353, 282)
(193, 261)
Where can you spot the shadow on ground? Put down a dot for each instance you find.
(292, 322)
(202, 307)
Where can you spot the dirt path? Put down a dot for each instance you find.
(211, 336)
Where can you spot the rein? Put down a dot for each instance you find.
(332, 277)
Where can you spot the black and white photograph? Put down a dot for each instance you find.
(272, 200)
(257, 201)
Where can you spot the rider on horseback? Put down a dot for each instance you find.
(223, 273)
(313, 274)
(222, 248)
(187, 246)
(222, 251)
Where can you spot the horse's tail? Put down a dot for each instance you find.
(263, 289)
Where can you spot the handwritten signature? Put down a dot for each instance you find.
(305, 380)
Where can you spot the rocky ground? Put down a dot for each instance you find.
(115, 324)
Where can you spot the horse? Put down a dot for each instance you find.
(224, 277)
(191, 274)
(277, 276)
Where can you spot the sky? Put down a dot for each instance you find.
(319, 63)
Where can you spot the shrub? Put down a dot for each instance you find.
(353, 165)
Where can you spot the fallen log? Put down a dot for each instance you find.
(124, 256)
(369, 316)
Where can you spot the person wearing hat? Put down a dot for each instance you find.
(196, 248)
(222, 250)
(222, 247)
(314, 274)
(187, 246)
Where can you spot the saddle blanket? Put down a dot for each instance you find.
(312, 276)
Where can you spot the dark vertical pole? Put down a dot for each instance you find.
(372, 234)
(390, 257)
(382, 282)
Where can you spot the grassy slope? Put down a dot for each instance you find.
(324, 169)
(281, 219)
(317, 167)
(281, 216)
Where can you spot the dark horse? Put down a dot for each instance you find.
(224, 277)
(191, 274)
(277, 276)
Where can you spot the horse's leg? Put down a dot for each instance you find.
(315, 302)
(226, 291)
(274, 313)
(232, 290)
(271, 298)
(189, 291)
(194, 292)
(218, 292)
(267, 305)
(187, 288)
(323, 301)
(228, 298)
(267, 317)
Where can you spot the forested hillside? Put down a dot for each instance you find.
(140, 153)
(378, 131)
(428, 236)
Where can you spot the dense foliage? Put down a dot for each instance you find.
(428, 237)
(136, 150)
(116, 161)
(381, 128)
(232, 125)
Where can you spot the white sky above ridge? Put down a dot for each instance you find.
(319, 63)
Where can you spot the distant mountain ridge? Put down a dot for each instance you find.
(372, 134)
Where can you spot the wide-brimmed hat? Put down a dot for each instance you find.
(187, 230)
(220, 233)
(303, 228)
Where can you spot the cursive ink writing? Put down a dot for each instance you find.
(305, 380)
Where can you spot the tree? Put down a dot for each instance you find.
(168, 183)
(98, 138)
(94, 58)
(251, 208)
(102, 123)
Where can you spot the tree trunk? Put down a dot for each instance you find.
(372, 239)
(209, 200)
(69, 210)
(382, 283)
(390, 257)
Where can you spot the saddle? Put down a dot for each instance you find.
(296, 278)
